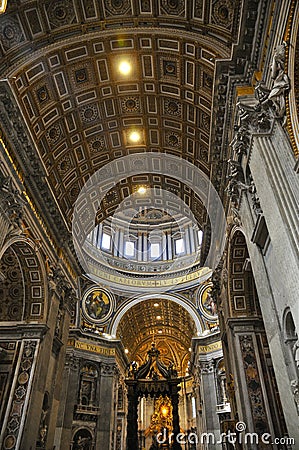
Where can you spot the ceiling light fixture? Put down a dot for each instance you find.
(160, 331)
(158, 317)
(125, 67)
(156, 305)
(142, 191)
(134, 136)
(126, 351)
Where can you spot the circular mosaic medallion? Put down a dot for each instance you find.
(9, 442)
(97, 305)
(206, 303)
(23, 378)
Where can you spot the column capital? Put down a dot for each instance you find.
(109, 369)
(72, 362)
(206, 366)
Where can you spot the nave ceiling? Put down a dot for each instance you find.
(164, 322)
(61, 62)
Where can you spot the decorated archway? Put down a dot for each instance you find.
(182, 301)
(154, 379)
(24, 287)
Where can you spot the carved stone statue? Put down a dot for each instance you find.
(59, 283)
(281, 82)
(255, 199)
(83, 443)
(12, 204)
(235, 182)
(296, 398)
(43, 427)
(43, 434)
(173, 373)
(241, 141)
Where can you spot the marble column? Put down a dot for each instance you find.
(275, 267)
(68, 399)
(105, 422)
(116, 242)
(208, 350)
(132, 417)
(13, 430)
(174, 395)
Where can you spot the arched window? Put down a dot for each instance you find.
(129, 249)
(290, 329)
(155, 250)
(179, 246)
(106, 241)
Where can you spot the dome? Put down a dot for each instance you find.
(148, 245)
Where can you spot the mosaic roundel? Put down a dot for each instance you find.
(97, 305)
(206, 303)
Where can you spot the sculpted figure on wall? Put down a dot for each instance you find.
(281, 82)
(11, 206)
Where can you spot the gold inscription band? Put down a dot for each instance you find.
(91, 348)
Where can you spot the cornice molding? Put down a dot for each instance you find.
(231, 74)
(32, 175)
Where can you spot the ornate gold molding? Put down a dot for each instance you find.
(144, 283)
(3, 5)
(33, 207)
(210, 347)
(93, 348)
(287, 37)
(245, 90)
(13, 163)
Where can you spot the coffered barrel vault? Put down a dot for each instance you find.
(81, 109)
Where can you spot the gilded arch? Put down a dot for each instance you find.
(134, 301)
(24, 285)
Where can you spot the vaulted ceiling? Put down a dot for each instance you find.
(59, 61)
(62, 61)
(162, 321)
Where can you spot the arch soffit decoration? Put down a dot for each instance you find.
(34, 274)
(186, 304)
(230, 261)
(232, 230)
